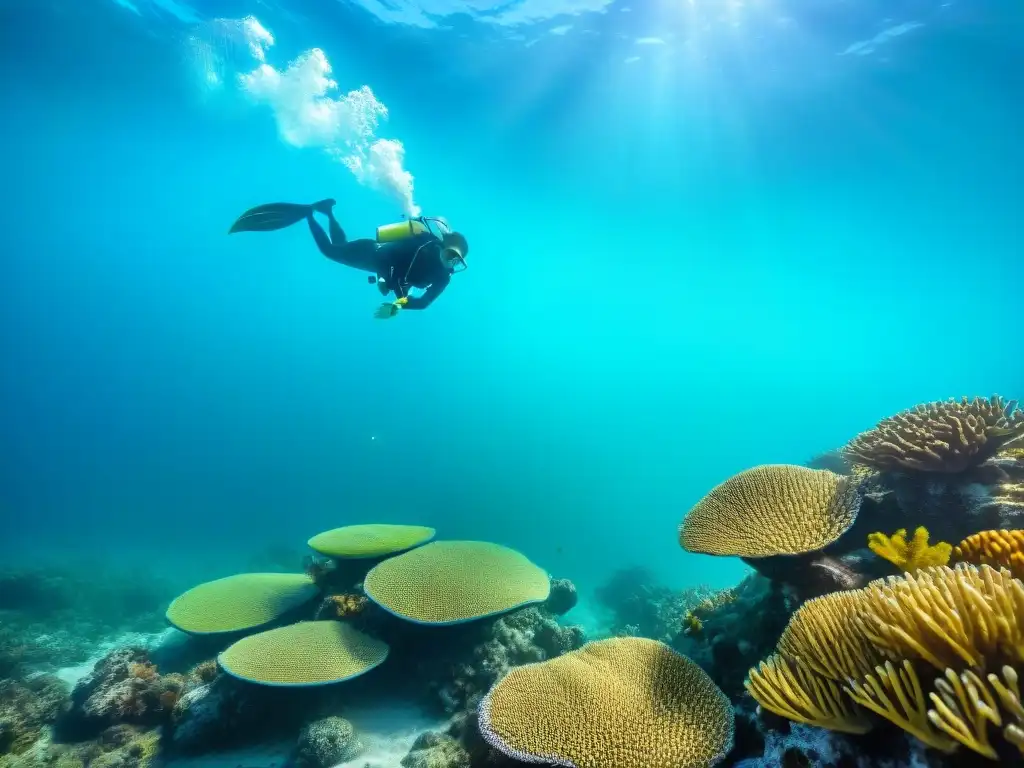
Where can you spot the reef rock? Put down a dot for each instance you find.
(436, 750)
(732, 632)
(522, 637)
(327, 742)
(563, 597)
(124, 687)
(26, 707)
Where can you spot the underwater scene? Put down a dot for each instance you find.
(491, 383)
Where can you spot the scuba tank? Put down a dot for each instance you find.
(389, 233)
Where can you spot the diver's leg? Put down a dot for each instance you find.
(323, 242)
(361, 254)
(337, 233)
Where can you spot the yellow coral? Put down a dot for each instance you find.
(788, 688)
(307, 653)
(616, 703)
(449, 582)
(1001, 548)
(241, 602)
(897, 695)
(772, 509)
(913, 555)
(960, 622)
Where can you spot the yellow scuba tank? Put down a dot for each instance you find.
(389, 233)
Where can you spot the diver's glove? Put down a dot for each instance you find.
(389, 309)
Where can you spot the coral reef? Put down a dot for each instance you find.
(463, 674)
(641, 607)
(327, 742)
(124, 687)
(821, 658)
(26, 707)
(737, 630)
(846, 655)
(951, 507)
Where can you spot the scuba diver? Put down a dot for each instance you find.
(420, 253)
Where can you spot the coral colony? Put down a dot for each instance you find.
(883, 625)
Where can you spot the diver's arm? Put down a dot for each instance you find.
(433, 291)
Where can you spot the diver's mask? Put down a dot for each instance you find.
(454, 245)
(454, 260)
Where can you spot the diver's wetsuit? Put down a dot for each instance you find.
(414, 262)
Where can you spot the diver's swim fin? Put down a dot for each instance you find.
(267, 218)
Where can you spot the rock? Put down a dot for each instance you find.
(563, 597)
(436, 750)
(327, 742)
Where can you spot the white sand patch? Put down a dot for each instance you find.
(149, 640)
(388, 730)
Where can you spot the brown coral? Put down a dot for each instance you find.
(948, 436)
(204, 671)
(1001, 548)
(341, 606)
(773, 509)
(143, 670)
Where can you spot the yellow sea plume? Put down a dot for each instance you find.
(773, 509)
(936, 652)
(817, 652)
(910, 555)
(626, 702)
(949, 617)
(1000, 548)
(792, 690)
(820, 637)
(945, 436)
(240, 602)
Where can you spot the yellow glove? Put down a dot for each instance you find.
(389, 309)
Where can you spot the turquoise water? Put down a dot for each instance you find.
(703, 236)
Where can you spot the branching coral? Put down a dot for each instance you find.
(949, 436)
(951, 625)
(913, 555)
